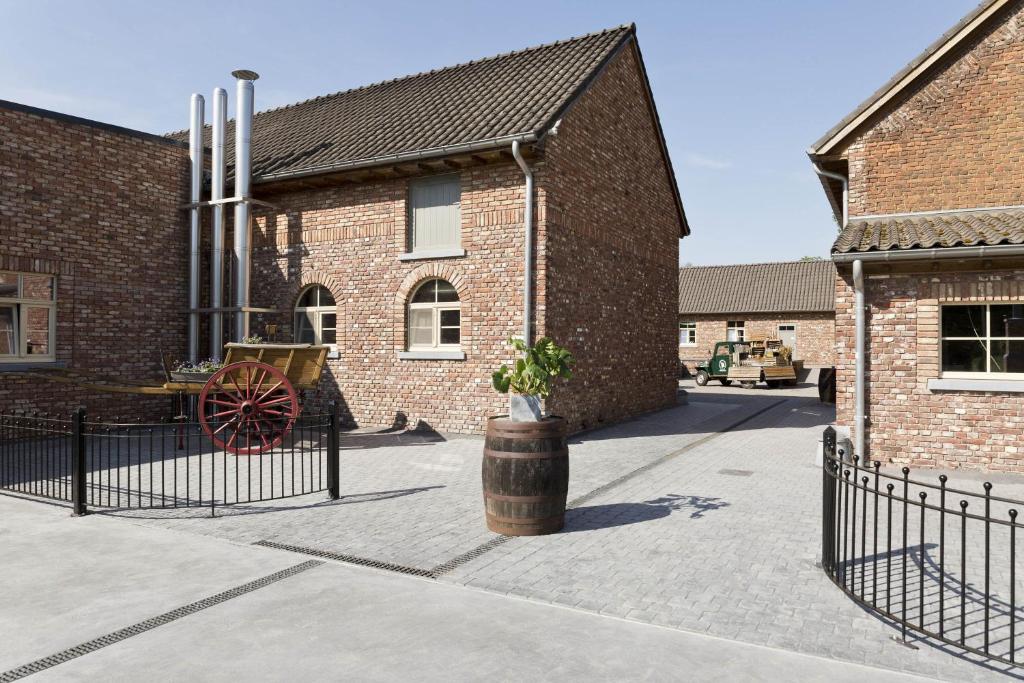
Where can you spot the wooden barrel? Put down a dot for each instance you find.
(525, 476)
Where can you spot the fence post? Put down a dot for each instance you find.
(333, 456)
(78, 472)
(828, 447)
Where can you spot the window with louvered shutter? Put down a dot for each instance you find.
(434, 213)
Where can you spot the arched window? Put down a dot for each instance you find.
(316, 318)
(435, 317)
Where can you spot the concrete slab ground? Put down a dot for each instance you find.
(328, 622)
(702, 519)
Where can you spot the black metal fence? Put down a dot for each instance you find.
(108, 465)
(935, 560)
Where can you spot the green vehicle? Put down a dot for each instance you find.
(717, 367)
(748, 362)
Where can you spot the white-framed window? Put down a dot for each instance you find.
(316, 318)
(28, 317)
(982, 339)
(435, 216)
(434, 319)
(687, 334)
(735, 330)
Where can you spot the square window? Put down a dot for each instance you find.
(37, 287)
(963, 355)
(8, 331)
(27, 316)
(9, 285)
(421, 327)
(37, 331)
(963, 321)
(687, 334)
(435, 217)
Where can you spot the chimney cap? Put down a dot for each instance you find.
(245, 74)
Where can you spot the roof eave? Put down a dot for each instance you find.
(415, 155)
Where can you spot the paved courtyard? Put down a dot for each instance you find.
(703, 518)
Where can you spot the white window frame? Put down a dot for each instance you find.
(690, 330)
(21, 304)
(739, 327)
(318, 312)
(453, 248)
(987, 339)
(437, 307)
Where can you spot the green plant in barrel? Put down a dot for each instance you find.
(525, 468)
(530, 378)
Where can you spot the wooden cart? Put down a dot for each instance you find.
(247, 406)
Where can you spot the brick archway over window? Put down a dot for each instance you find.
(309, 278)
(416, 277)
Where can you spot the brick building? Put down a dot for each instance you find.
(92, 257)
(932, 242)
(792, 301)
(395, 233)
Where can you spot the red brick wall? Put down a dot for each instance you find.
(611, 258)
(957, 142)
(98, 207)
(592, 240)
(909, 423)
(815, 334)
(954, 142)
(349, 239)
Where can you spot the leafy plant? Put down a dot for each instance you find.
(253, 339)
(533, 374)
(208, 365)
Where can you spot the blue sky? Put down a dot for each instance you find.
(742, 87)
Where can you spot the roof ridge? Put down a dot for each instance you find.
(622, 27)
(745, 265)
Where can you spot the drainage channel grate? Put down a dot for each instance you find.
(350, 559)
(149, 624)
(736, 473)
(469, 556)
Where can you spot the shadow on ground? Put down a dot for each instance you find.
(592, 517)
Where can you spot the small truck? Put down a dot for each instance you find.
(748, 362)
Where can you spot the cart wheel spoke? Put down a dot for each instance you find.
(217, 401)
(259, 403)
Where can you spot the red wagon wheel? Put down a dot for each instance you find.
(248, 407)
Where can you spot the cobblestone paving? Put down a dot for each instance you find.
(719, 534)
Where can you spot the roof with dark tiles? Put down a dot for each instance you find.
(787, 287)
(966, 228)
(516, 94)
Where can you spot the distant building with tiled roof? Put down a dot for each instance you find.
(793, 301)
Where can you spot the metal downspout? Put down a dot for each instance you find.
(528, 257)
(860, 418)
(195, 153)
(243, 193)
(846, 189)
(220, 114)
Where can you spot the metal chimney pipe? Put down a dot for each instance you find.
(220, 123)
(243, 179)
(195, 153)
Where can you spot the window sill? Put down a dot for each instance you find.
(1006, 386)
(20, 365)
(450, 252)
(431, 355)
